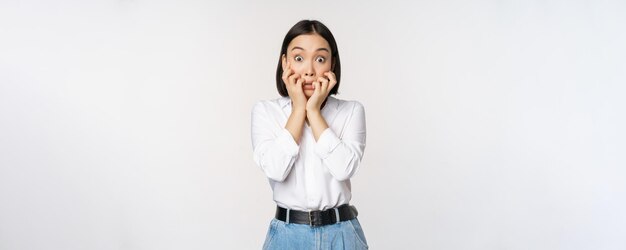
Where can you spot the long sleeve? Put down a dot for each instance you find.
(342, 156)
(274, 149)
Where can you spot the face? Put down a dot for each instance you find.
(309, 55)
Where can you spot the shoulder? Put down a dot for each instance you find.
(341, 104)
(272, 104)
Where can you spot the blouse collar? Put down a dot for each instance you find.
(331, 102)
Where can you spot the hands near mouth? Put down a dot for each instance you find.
(307, 109)
(322, 87)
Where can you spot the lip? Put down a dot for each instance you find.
(308, 86)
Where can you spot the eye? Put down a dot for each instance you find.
(320, 59)
(298, 58)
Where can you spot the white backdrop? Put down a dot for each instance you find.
(125, 124)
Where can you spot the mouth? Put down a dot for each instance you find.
(308, 86)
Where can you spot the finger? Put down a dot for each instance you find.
(324, 84)
(317, 86)
(322, 79)
(292, 79)
(297, 87)
(331, 85)
(332, 79)
(286, 75)
(331, 76)
(299, 83)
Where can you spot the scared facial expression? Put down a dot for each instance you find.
(309, 55)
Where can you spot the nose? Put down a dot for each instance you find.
(308, 70)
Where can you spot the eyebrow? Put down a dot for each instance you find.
(324, 49)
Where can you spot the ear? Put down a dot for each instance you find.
(332, 67)
(283, 62)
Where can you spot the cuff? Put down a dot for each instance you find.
(327, 142)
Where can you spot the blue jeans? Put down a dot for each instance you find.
(342, 235)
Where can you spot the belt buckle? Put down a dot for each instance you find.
(315, 218)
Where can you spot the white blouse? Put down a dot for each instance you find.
(312, 175)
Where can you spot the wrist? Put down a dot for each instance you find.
(313, 112)
(299, 111)
(298, 105)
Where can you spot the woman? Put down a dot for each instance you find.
(309, 144)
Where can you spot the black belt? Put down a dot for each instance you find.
(317, 218)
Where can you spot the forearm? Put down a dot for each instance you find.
(276, 156)
(317, 122)
(342, 155)
(344, 160)
(274, 148)
(295, 124)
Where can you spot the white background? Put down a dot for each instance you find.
(491, 124)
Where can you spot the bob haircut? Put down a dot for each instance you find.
(302, 28)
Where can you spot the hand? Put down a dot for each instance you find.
(293, 82)
(323, 86)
